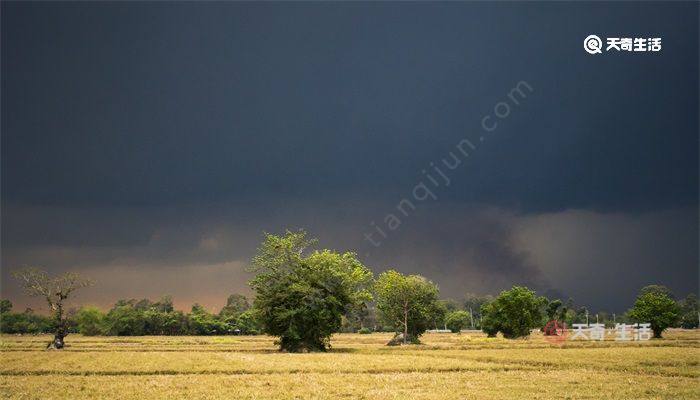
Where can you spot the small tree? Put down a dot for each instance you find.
(656, 306)
(55, 290)
(513, 313)
(301, 298)
(457, 320)
(407, 302)
(490, 323)
(472, 304)
(553, 309)
(438, 314)
(690, 312)
(236, 304)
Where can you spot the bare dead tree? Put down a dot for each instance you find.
(55, 290)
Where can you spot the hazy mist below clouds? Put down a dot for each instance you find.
(199, 254)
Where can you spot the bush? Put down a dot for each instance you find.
(364, 331)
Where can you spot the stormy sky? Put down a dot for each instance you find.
(149, 145)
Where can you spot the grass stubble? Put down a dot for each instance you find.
(445, 366)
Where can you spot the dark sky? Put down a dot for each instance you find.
(149, 145)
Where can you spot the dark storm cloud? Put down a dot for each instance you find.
(153, 103)
(199, 253)
(156, 136)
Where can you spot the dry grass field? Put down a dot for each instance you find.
(445, 366)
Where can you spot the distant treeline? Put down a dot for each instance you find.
(145, 317)
(140, 317)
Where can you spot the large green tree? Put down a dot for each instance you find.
(406, 302)
(655, 305)
(301, 296)
(513, 313)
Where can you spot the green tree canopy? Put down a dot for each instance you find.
(202, 322)
(406, 302)
(655, 305)
(472, 304)
(457, 320)
(553, 309)
(659, 289)
(301, 298)
(690, 312)
(513, 313)
(125, 320)
(91, 321)
(236, 304)
(5, 306)
(164, 305)
(248, 322)
(25, 322)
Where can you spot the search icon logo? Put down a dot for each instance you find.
(592, 44)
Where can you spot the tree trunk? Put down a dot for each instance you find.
(60, 330)
(405, 324)
(57, 342)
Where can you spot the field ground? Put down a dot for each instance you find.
(445, 366)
